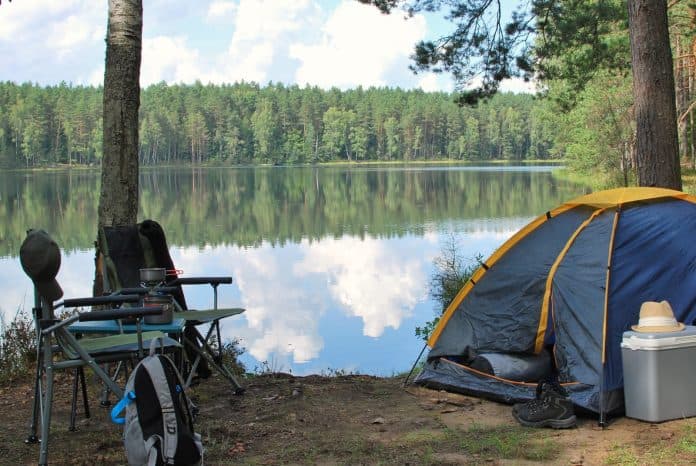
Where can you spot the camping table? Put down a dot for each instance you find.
(174, 328)
(111, 326)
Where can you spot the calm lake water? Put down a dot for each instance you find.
(332, 264)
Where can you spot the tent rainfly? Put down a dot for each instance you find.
(569, 284)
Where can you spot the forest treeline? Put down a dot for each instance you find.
(245, 123)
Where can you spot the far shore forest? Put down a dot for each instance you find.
(247, 124)
(244, 123)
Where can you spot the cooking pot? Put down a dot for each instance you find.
(156, 300)
(152, 276)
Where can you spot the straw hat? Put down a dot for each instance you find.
(657, 317)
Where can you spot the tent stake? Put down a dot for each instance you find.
(414, 365)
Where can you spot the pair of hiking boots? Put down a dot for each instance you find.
(550, 408)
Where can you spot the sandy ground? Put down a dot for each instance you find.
(353, 419)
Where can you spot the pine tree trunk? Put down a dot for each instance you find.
(118, 202)
(653, 91)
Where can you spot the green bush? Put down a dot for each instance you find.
(451, 272)
(17, 347)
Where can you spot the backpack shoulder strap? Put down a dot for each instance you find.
(153, 365)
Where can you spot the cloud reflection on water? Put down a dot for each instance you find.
(371, 279)
(287, 292)
(310, 305)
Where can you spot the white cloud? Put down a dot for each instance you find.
(219, 10)
(69, 33)
(433, 82)
(359, 46)
(268, 19)
(262, 31)
(95, 77)
(50, 42)
(252, 65)
(169, 59)
(518, 85)
(289, 41)
(18, 17)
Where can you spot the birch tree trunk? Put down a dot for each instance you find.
(118, 201)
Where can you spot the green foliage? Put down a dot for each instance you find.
(597, 135)
(450, 275)
(17, 347)
(244, 124)
(231, 351)
(541, 39)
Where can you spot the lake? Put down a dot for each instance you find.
(332, 264)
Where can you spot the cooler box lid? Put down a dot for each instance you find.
(658, 341)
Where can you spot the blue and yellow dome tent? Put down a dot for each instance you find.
(572, 280)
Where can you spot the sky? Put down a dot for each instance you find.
(327, 43)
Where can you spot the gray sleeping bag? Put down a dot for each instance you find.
(514, 366)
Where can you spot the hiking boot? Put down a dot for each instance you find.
(537, 397)
(551, 408)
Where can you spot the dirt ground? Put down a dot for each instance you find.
(352, 419)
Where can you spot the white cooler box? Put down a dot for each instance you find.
(659, 371)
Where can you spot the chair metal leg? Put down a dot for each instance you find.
(219, 342)
(104, 400)
(73, 403)
(46, 405)
(202, 353)
(85, 400)
(79, 378)
(32, 438)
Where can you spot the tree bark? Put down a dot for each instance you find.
(118, 202)
(653, 91)
(118, 199)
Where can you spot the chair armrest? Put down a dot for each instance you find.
(100, 300)
(123, 313)
(142, 290)
(200, 281)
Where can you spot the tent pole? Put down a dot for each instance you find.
(414, 365)
(602, 395)
(602, 423)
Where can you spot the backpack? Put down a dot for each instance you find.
(154, 398)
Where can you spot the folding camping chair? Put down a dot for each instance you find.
(125, 250)
(57, 348)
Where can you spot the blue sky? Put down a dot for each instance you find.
(328, 43)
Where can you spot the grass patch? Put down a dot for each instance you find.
(421, 437)
(509, 442)
(687, 444)
(681, 449)
(621, 454)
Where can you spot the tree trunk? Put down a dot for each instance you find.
(118, 202)
(653, 91)
(681, 78)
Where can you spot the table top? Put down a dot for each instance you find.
(112, 326)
